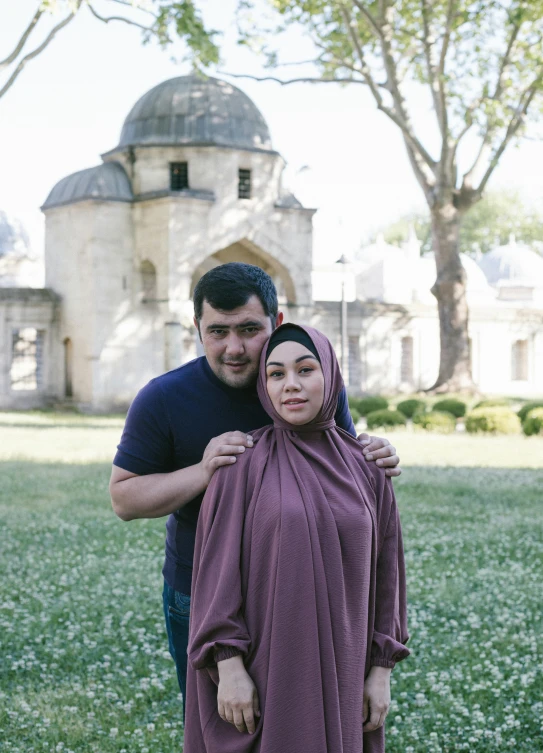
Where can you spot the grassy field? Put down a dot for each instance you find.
(84, 655)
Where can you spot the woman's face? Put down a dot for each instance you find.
(295, 382)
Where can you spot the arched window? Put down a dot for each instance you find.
(519, 361)
(148, 282)
(68, 367)
(406, 375)
(26, 371)
(353, 362)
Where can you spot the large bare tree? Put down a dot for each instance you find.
(162, 20)
(481, 62)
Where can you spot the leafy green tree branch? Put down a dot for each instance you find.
(161, 20)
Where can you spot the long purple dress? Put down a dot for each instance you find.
(299, 568)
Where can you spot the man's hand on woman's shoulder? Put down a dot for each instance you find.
(222, 450)
(382, 452)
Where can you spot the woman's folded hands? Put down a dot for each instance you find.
(237, 697)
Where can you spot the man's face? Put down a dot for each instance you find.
(233, 340)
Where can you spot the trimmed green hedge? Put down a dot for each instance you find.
(365, 405)
(439, 421)
(533, 423)
(523, 412)
(386, 418)
(493, 402)
(451, 405)
(411, 406)
(492, 421)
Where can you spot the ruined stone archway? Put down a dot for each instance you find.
(249, 253)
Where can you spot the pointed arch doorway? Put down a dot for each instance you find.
(249, 253)
(68, 369)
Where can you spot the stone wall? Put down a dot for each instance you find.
(30, 309)
(376, 330)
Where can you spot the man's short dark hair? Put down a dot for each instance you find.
(230, 286)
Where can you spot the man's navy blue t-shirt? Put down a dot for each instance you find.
(168, 427)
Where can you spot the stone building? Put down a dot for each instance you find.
(194, 182)
(393, 326)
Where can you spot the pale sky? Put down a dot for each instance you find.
(69, 104)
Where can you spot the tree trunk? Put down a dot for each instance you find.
(450, 291)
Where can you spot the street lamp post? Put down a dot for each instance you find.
(343, 319)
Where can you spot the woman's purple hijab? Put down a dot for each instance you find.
(299, 568)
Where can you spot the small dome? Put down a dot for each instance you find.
(476, 284)
(288, 201)
(513, 264)
(13, 237)
(193, 110)
(108, 182)
(377, 252)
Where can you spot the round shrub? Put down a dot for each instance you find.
(355, 415)
(365, 405)
(492, 421)
(533, 423)
(451, 405)
(387, 418)
(439, 421)
(527, 407)
(411, 406)
(493, 402)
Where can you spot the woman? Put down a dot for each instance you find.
(298, 607)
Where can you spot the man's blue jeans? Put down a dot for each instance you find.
(176, 613)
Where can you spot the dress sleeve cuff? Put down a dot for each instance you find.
(386, 651)
(383, 663)
(221, 652)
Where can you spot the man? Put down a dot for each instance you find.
(185, 424)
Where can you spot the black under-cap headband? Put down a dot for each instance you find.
(290, 333)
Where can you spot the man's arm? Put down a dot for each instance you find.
(158, 494)
(154, 495)
(343, 415)
(375, 448)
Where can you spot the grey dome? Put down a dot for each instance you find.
(476, 282)
(13, 237)
(288, 201)
(108, 182)
(193, 110)
(513, 264)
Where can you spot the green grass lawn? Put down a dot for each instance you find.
(83, 649)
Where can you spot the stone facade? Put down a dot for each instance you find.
(395, 348)
(102, 255)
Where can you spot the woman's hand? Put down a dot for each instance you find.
(376, 698)
(237, 697)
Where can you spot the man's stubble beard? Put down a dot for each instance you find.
(241, 381)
